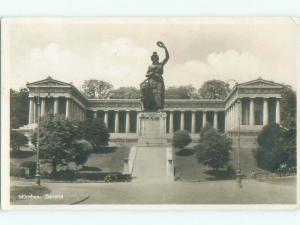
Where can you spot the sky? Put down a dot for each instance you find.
(118, 51)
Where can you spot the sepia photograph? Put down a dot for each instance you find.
(192, 112)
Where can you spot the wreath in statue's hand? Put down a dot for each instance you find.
(160, 44)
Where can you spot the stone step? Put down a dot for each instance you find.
(150, 164)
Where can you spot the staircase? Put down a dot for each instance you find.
(150, 164)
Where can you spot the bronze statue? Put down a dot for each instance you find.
(153, 88)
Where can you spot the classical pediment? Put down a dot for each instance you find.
(49, 81)
(260, 83)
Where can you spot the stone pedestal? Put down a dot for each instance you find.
(152, 128)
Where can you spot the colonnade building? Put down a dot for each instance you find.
(255, 104)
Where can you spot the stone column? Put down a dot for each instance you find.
(74, 116)
(77, 111)
(231, 117)
(127, 124)
(251, 111)
(204, 121)
(116, 122)
(137, 123)
(181, 120)
(43, 106)
(265, 112)
(83, 113)
(239, 112)
(67, 108)
(216, 120)
(171, 129)
(225, 113)
(106, 118)
(34, 111)
(30, 118)
(56, 106)
(193, 125)
(235, 114)
(70, 108)
(95, 114)
(277, 115)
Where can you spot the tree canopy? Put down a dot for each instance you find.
(125, 93)
(277, 146)
(94, 131)
(181, 92)
(97, 89)
(288, 107)
(57, 140)
(19, 107)
(214, 89)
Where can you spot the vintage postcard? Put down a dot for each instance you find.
(149, 113)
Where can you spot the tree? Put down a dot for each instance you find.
(213, 149)
(290, 146)
(94, 131)
(181, 92)
(288, 107)
(181, 138)
(57, 140)
(214, 89)
(19, 107)
(17, 140)
(277, 146)
(82, 151)
(97, 89)
(125, 93)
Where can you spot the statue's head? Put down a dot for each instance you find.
(154, 57)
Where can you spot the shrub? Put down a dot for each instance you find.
(213, 149)
(18, 172)
(17, 140)
(181, 138)
(82, 151)
(65, 175)
(31, 165)
(276, 147)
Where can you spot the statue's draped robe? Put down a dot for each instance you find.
(153, 89)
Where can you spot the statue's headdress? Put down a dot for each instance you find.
(154, 55)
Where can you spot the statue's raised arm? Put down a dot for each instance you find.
(162, 45)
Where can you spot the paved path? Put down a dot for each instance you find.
(211, 192)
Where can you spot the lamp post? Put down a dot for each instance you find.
(238, 170)
(37, 173)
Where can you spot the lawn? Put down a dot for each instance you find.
(107, 161)
(188, 168)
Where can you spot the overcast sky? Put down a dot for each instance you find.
(119, 51)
